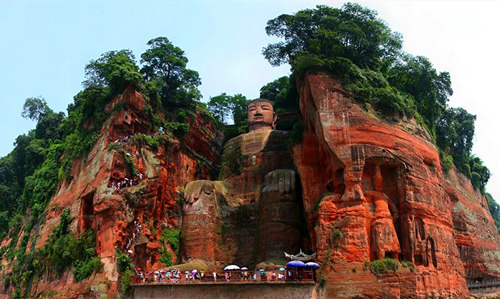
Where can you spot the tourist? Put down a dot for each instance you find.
(215, 276)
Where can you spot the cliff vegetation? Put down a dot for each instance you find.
(350, 43)
(355, 46)
(42, 159)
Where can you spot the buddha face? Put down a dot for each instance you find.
(261, 116)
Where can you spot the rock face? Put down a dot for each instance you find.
(355, 190)
(253, 213)
(475, 232)
(133, 217)
(374, 190)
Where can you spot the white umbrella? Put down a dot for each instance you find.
(231, 267)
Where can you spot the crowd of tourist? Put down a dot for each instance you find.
(135, 233)
(194, 276)
(119, 183)
(126, 138)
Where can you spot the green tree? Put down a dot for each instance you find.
(226, 108)
(455, 132)
(35, 108)
(114, 69)
(4, 224)
(480, 174)
(164, 68)
(275, 90)
(430, 90)
(494, 208)
(353, 32)
(48, 126)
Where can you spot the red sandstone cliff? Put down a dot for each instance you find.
(384, 194)
(152, 203)
(369, 190)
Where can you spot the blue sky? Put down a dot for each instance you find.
(45, 45)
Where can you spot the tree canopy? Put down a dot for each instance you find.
(352, 44)
(228, 108)
(35, 108)
(43, 158)
(165, 70)
(114, 69)
(430, 90)
(353, 32)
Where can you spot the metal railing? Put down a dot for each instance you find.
(226, 277)
(483, 284)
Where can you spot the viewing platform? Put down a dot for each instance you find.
(236, 285)
(226, 289)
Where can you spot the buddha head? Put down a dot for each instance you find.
(261, 115)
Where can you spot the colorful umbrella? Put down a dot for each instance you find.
(139, 269)
(244, 268)
(312, 265)
(296, 264)
(282, 269)
(231, 267)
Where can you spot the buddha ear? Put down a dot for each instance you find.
(275, 118)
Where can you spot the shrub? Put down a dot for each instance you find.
(142, 139)
(165, 257)
(64, 250)
(366, 265)
(446, 161)
(114, 146)
(123, 261)
(408, 265)
(384, 266)
(172, 236)
(177, 128)
(129, 163)
(3, 249)
(336, 234)
(127, 278)
(322, 281)
(83, 269)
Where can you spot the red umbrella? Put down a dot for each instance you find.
(139, 269)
